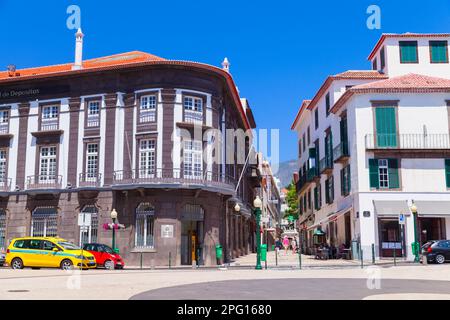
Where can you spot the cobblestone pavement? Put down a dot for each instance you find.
(124, 284)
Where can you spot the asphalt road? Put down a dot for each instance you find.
(295, 289)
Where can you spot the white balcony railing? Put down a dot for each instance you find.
(415, 141)
(191, 116)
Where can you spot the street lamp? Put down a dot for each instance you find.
(114, 217)
(237, 208)
(415, 246)
(257, 203)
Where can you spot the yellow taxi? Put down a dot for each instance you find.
(45, 252)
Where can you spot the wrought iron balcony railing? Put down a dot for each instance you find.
(44, 182)
(408, 141)
(172, 176)
(306, 179)
(90, 179)
(341, 151)
(326, 164)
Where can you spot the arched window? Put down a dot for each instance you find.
(2, 228)
(145, 221)
(44, 222)
(89, 234)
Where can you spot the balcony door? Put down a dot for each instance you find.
(147, 158)
(193, 159)
(3, 168)
(386, 126)
(48, 165)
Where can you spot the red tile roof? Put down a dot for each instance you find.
(409, 83)
(404, 35)
(305, 104)
(349, 74)
(108, 61)
(133, 59)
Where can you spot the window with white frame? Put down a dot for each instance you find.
(383, 173)
(89, 234)
(147, 158)
(93, 113)
(3, 167)
(193, 109)
(91, 161)
(48, 164)
(193, 159)
(49, 120)
(44, 222)
(145, 221)
(4, 121)
(147, 110)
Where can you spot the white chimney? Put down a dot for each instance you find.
(226, 65)
(78, 50)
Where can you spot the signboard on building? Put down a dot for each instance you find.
(167, 231)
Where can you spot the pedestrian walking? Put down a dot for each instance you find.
(286, 244)
(294, 246)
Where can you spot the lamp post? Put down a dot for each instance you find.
(114, 217)
(257, 203)
(413, 209)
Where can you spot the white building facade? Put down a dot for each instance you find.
(372, 143)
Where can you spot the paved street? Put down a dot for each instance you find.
(422, 282)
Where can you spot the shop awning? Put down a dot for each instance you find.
(433, 209)
(391, 208)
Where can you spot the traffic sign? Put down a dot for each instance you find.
(401, 218)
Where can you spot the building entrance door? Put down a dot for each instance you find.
(390, 240)
(190, 241)
(431, 229)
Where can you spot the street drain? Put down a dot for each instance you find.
(18, 291)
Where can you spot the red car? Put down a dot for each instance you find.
(105, 256)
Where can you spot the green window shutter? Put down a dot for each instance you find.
(316, 199)
(327, 193)
(408, 52)
(319, 193)
(447, 172)
(327, 103)
(331, 189)
(373, 173)
(394, 181)
(349, 180)
(386, 125)
(342, 182)
(439, 51)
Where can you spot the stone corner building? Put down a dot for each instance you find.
(107, 134)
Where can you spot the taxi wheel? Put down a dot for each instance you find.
(66, 264)
(109, 265)
(17, 263)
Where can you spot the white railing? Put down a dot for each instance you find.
(408, 141)
(192, 116)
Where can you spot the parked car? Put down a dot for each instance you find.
(105, 256)
(436, 251)
(2, 259)
(43, 252)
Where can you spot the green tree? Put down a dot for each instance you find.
(292, 202)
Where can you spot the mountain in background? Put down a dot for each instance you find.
(285, 171)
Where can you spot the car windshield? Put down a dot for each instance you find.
(68, 245)
(107, 249)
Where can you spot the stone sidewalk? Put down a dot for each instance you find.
(291, 260)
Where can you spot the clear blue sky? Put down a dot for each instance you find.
(280, 51)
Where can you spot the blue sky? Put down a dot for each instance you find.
(280, 51)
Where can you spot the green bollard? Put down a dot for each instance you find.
(141, 261)
(362, 258)
(395, 257)
(170, 259)
(373, 253)
(300, 259)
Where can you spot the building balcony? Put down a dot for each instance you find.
(91, 180)
(5, 184)
(51, 124)
(148, 115)
(306, 179)
(326, 165)
(341, 152)
(4, 128)
(191, 116)
(173, 178)
(93, 121)
(408, 141)
(44, 182)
